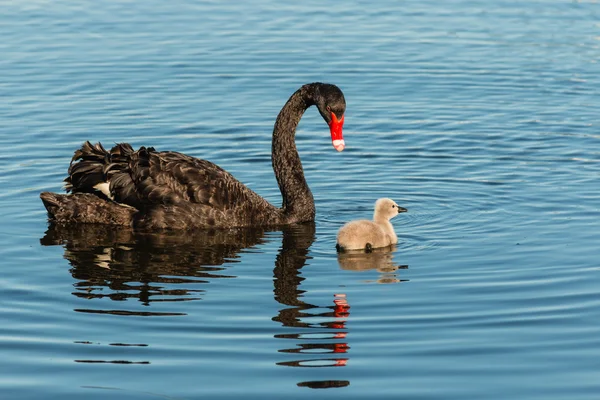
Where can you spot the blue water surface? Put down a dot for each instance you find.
(479, 117)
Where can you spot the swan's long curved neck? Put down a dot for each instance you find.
(298, 203)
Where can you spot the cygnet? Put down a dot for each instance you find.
(368, 235)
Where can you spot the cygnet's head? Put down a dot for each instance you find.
(387, 208)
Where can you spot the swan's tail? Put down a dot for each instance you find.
(86, 208)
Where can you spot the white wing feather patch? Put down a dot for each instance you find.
(104, 187)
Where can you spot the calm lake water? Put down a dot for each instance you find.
(479, 117)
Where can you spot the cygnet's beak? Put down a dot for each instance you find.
(401, 209)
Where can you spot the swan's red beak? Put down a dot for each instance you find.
(335, 126)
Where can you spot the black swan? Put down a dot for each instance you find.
(368, 235)
(148, 189)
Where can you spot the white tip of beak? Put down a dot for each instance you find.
(339, 144)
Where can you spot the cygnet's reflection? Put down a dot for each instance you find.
(381, 260)
(113, 265)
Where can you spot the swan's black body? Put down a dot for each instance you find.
(151, 189)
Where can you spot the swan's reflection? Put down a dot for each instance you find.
(118, 264)
(145, 266)
(322, 343)
(381, 260)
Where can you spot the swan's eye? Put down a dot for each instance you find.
(328, 108)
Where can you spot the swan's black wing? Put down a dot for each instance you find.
(176, 190)
(152, 178)
(170, 189)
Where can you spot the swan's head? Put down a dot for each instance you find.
(330, 101)
(387, 208)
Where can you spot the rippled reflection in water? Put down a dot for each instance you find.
(381, 260)
(120, 264)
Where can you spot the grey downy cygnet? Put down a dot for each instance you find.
(368, 235)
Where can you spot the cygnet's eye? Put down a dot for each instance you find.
(393, 206)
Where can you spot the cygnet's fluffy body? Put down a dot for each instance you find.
(368, 235)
